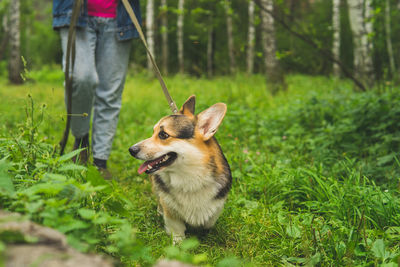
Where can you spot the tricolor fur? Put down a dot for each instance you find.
(189, 172)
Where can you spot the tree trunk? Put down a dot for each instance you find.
(272, 70)
(336, 35)
(361, 27)
(388, 31)
(229, 30)
(250, 39)
(309, 40)
(164, 36)
(14, 62)
(4, 42)
(150, 31)
(181, 12)
(210, 50)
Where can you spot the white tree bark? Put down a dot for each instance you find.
(388, 31)
(268, 38)
(181, 13)
(14, 62)
(250, 39)
(164, 36)
(4, 41)
(229, 30)
(150, 31)
(336, 35)
(361, 27)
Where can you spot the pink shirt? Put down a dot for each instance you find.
(102, 8)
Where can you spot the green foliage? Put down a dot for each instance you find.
(312, 20)
(182, 252)
(315, 169)
(6, 184)
(70, 198)
(364, 127)
(40, 44)
(47, 74)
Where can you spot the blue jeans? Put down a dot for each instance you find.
(98, 79)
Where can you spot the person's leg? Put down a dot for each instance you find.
(84, 82)
(111, 63)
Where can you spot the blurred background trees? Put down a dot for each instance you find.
(206, 38)
(13, 37)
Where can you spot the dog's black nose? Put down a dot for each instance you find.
(134, 150)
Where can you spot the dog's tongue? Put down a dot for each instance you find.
(143, 167)
(146, 165)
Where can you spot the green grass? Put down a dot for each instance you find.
(315, 173)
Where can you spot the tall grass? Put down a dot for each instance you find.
(316, 173)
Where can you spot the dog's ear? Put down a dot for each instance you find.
(189, 106)
(209, 120)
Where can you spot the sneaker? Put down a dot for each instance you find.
(101, 165)
(83, 156)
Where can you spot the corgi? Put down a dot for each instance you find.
(190, 175)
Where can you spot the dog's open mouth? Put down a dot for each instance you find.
(154, 165)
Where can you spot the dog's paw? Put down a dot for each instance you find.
(177, 239)
(160, 210)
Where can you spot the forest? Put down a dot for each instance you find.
(311, 134)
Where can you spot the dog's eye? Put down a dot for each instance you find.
(163, 135)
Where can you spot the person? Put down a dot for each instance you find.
(103, 33)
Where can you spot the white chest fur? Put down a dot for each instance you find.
(191, 196)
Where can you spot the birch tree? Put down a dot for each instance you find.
(272, 71)
(4, 41)
(336, 35)
(361, 27)
(181, 12)
(14, 62)
(250, 39)
(150, 31)
(388, 32)
(164, 36)
(229, 31)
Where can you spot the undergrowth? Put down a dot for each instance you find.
(316, 175)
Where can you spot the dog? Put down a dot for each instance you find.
(190, 175)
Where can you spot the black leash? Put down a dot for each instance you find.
(69, 65)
